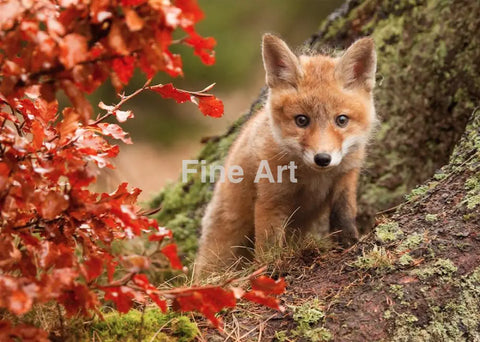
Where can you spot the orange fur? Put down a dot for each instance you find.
(250, 215)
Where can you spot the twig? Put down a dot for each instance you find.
(119, 282)
(62, 322)
(160, 329)
(34, 77)
(150, 212)
(122, 101)
(200, 93)
(142, 321)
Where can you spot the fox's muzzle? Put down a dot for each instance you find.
(322, 159)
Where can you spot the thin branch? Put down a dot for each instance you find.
(61, 320)
(142, 323)
(33, 77)
(201, 93)
(122, 102)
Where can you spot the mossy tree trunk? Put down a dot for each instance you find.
(416, 277)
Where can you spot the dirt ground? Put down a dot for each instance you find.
(357, 302)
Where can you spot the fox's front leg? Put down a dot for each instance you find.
(270, 221)
(344, 209)
(226, 233)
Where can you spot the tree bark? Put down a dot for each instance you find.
(416, 277)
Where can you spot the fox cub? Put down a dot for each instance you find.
(319, 114)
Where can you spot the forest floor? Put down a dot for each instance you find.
(372, 289)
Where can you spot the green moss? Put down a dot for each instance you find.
(156, 327)
(444, 268)
(388, 232)
(409, 318)
(440, 176)
(431, 217)
(411, 242)
(308, 313)
(472, 197)
(396, 290)
(406, 51)
(469, 216)
(405, 260)
(472, 183)
(378, 258)
(307, 317)
(416, 193)
(281, 336)
(472, 201)
(457, 320)
(314, 335)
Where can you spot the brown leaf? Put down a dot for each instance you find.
(69, 124)
(116, 41)
(77, 97)
(134, 22)
(73, 50)
(51, 203)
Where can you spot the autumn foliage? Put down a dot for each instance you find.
(55, 233)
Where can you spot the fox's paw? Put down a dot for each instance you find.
(347, 238)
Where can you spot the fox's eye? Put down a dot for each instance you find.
(341, 120)
(302, 120)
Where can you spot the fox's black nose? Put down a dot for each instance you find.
(322, 159)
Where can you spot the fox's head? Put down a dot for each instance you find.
(321, 107)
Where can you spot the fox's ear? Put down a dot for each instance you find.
(357, 66)
(282, 67)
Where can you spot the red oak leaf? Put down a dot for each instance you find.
(69, 124)
(170, 251)
(208, 301)
(124, 68)
(94, 267)
(110, 265)
(146, 65)
(51, 203)
(190, 10)
(260, 298)
(160, 235)
(210, 106)
(4, 173)
(132, 2)
(122, 296)
(162, 304)
(38, 134)
(268, 285)
(142, 281)
(114, 131)
(203, 47)
(123, 115)
(21, 332)
(173, 64)
(73, 50)
(168, 91)
(133, 20)
(79, 299)
(19, 302)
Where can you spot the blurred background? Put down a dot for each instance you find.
(165, 133)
